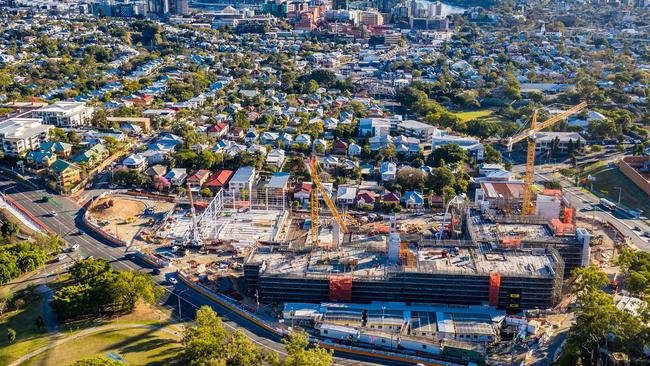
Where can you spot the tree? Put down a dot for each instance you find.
(440, 178)
(209, 343)
(11, 335)
(299, 355)
(491, 155)
(97, 361)
(8, 228)
(51, 243)
(411, 178)
(589, 279)
(449, 153)
(206, 192)
(89, 270)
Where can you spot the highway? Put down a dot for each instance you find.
(68, 223)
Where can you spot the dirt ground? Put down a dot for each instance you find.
(121, 208)
(125, 217)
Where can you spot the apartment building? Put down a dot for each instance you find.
(65, 114)
(21, 135)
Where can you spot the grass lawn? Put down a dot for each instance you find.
(470, 115)
(139, 346)
(631, 196)
(28, 338)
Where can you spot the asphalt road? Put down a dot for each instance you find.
(580, 199)
(68, 222)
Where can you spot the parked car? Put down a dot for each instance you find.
(173, 281)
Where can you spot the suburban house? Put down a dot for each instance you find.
(177, 176)
(388, 171)
(218, 179)
(135, 162)
(157, 170)
(302, 192)
(346, 195)
(366, 199)
(20, 135)
(197, 179)
(218, 130)
(66, 174)
(65, 114)
(275, 157)
(330, 162)
(243, 179)
(413, 199)
(354, 150)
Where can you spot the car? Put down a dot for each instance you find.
(45, 198)
(74, 248)
(173, 281)
(112, 186)
(54, 213)
(61, 258)
(156, 271)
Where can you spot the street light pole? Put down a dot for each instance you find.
(619, 196)
(180, 312)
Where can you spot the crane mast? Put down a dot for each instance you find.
(528, 207)
(312, 167)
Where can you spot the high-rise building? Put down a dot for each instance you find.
(159, 8)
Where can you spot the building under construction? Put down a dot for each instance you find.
(508, 262)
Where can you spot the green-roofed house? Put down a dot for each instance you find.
(92, 155)
(40, 159)
(61, 149)
(65, 173)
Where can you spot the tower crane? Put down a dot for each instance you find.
(528, 207)
(312, 167)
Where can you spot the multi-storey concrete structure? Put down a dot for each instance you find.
(65, 114)
(20, 135)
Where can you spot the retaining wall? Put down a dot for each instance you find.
(628, 166)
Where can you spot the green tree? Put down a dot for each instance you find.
(440, 178)
(450, 154)
(11, 335)
(8, 228)
(298, 353)
(411, 178)
(97, 361)
(589, 278)
(209, 343)
(206, 192)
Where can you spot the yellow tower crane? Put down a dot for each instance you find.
(312, 167)
(528, 207)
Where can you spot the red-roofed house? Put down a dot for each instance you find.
(302, 191)
(197, 179)
(218, 179)
(340, 147)
(366, 199)
(390, 197)
(218, 130)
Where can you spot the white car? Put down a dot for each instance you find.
(61, 258)
(54, 213)
(74, 248)
(173, 281)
